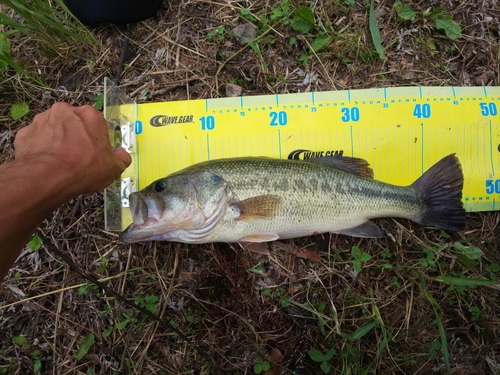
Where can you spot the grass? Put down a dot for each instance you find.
(52, 26)
(418, 301)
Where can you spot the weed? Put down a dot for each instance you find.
(236, 81)
(107, 309)
(439, 17)
(477, 313)
(362, 331)
(257, 269)
(149, 302)
(470, 252)
(304, 23)
(219, 32)
(6, 61)
(405, 12)
(87, 288)
(98, 101)
(386, 254)
(126, 321)
(56, 32)
(19, 110)
(190, 319)
(493, 268)
(359, 257)
(4, 50)
(282, 12)
(35, 244)
(20, 340)
(85, 346)
(247, 14)
(461, 283)
(261, 365)
(150, 279)
(376, 33)
(108, 331)
(430, 259)
(323, 359)
(265, 292)
(443, 344)
(352, 359)
(285, 302)
(394, 281)
(434, 347)
(37, 355)
(102, 267)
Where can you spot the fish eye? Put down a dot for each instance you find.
(160, 186)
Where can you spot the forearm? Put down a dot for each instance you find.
(64, 152)
(30, 191)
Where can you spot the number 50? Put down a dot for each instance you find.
(492, 186)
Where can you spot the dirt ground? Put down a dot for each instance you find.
(221, 309)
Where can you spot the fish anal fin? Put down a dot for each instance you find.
(366, 230)
(261, 237)
(259, 207)
(356, 166)
(256, 247)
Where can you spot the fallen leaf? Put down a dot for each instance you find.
(310, 255)
(276, 359)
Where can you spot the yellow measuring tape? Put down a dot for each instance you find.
(401, 132)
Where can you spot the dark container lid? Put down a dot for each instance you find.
(93, 12)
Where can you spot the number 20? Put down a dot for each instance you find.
(280, 118)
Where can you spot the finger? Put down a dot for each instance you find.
(91, 114)
(123, 156)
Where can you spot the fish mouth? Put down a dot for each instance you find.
(146, 215)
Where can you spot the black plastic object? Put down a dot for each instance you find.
(94, 12)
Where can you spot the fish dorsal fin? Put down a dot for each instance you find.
(356, 166)
(366, 230)
(259, 207)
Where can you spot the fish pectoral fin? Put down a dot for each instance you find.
(356, 166)
(256, 247)
(262, 237)
(366, 230)
(259, 207)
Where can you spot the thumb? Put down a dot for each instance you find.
(123, 156)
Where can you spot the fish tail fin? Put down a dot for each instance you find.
(441, 191)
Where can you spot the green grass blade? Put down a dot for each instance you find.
(86, 345)
(53, 29)
(20, 70)
(360, 332)
(464, 281)
(444, 342)
(376, 33)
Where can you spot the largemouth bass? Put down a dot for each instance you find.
(258, 199)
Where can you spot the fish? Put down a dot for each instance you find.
(259, 199)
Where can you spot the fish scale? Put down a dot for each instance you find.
(332, 202)
(257, 199)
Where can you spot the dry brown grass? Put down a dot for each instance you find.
(207, 291)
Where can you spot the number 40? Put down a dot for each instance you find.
(422, 110)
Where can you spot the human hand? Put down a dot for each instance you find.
(72, 142)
